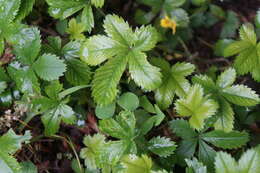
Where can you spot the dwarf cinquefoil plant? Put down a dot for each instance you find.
(248, 50)
(121, 47)
(225, 93)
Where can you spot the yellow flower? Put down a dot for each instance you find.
(166, 22)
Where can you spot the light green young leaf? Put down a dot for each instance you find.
(49, 67)
(9, 144)
(135, 164)
(97, 3)
(247, 33)
(161, 146)
(249, 161)
(224, 163)
(240, 95)
(227, 78)
(87, 18)
(75, 30)
(231, 140)
(197, 106)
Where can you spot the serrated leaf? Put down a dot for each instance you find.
(161, 146)
(106, 78)
(247, 33)
(186, 148)
(75, 30)
(97, 3)
(8, 11)
(194, 166)
(128, 101)
(53, 89)
(123, 127)
(240, 95)
(71, 50)
(182, 129)
(233, 139)
(87, 18)
(225, 116)
(206, 82)
(224, 163)
(236, 47)
(206, 154)
(249, 161)
(25, 8)
(142, 72)
(49, 67)
(28, 167)
(78, 73)
(64, 8)
(133, 163)
(146, 38)
(226, 78)
(9, 144)
(28, 45)
(197, 106)
(119, 30)
(52, 118)
(97, 49)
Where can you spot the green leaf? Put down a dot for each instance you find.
(224, 163)
(28, 167)
(197, 106)
(87, 18)
(249, 161)
(186, 148)
(75, 30)
(2, 46)
(194, 166)
(119, 30)
(221, 46)
(146, 38)
(106, 79)
(247, 33)
(64, 8)
(128, 101)
(182, 129)
(104, 112)
(142, 72)
(94, 147)
(8, 11)
(236, 47)
(3, 86)
(53, 89)
(71, 50)
(173, 81)
(28, 45)
(78, 73)
(135, 164)
(161, 146)
(123, 127)
(227, 78)
(97, 3)
(240, 95)
(206, 154)
(49, 67)
(52, 118)
(97, 49)
(146, 104)
(224, 140)
(257, 19)
(71, 90)
(9, 144)
(206, 82)
(25, 9)
(225, 116)
(230, 26)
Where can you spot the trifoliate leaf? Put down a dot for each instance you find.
(240, 95)
(64, 8)
(142, 72)
(197, 106)
(135, 164)
(106, 78)
(194, 166)
(78, 73)
(25, 8)
(224, 163)
(94, 148)
(97, 3)
(49, 67)
(28, 45)
(75, 30)
(182, 128)
(87, 18)
(128, 101)
(52, 118)
(161, 146)
(9, 144)
(233, 139)
(123, 127)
